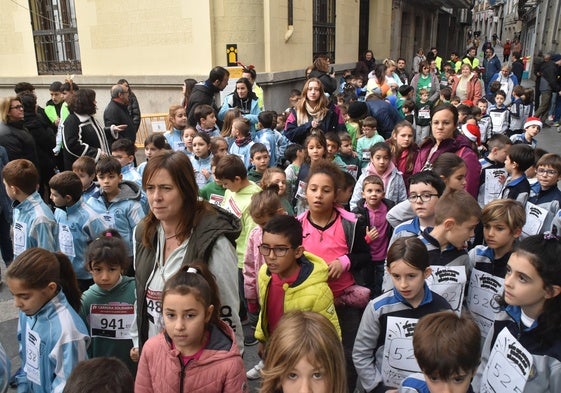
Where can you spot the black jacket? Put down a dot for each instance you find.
(203, 93)
(116, 113)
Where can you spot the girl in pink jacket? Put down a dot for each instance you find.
(196, 352)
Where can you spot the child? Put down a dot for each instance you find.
(100, 375)
(291, 279)
(548, 171)
(335, 235)
(502, 226)
(381, 165)
(295, 155)
(403, 148)
(78, 224)
(409, 112)
(123, 150)
(34, 224)
(518, 160)
(532, 128)
(484, 122)
(455, 101)
(517, 118)
(357, 112)
(213, 190)
(531, 174)
(178, 121)
(153, 143)
(218, 146)
(108, 305)
(196, 351)
(206, 120)
(188, 135)
(229, 117)
(52, 337)
(497, 150)
(275, 142)
(242, 142)
(84, 167)
(408, 266)
(259, 158)
(201, 159)
(499, 114)
(494, 87)
(369, 138)
(54, 105)
(346, 192)
(451, 366)
(317, 363)
(522, 343)
(348, 156)
(371, 210)
(119, 201)
(425, 189)
(277, 176)
(422, 116)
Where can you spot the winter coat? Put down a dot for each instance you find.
(298, 133)
(202, 94)
(116, 114)
(18, 142)
(474, 90)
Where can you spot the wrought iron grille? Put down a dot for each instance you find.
(324, 29)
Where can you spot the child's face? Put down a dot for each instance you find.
(499, 100)
(368, 131)
(457, 383)
(280, 123)
(208, 122)
(332, 149)
(109, 183)
(221, 148)
(547, 176)
(344, 195)
(30, 301)
(457, 180)
(483, 107)
(280, 180)
(188, 135)
(346, 148)
(462, 117)
(373, 194)
(149, 150)
(499, 236)
(455, 102)
(500, 154)
(261, 161)
(404, 137)
(458, 234)
(56, 96)
(179, 119)
(284, 266)
(509, 165)
(532, 131)
(232, 185)
(201, 149)
(321, 193)
(423, 210)
(185, 319)
(408, 280)
(381, 160)
(315, 150)
(58, 200)
(424, 97)
(123, 158)
(85, 179)
(305, 377)
(104, 275)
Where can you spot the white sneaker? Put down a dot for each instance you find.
(255, 372)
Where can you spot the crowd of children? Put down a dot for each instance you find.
(359, 266)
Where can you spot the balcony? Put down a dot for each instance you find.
(444, 3)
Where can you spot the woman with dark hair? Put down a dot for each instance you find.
(426, 80)
(377, 82)
(320, 71)
(14, 137)
(365, 65)
(181, 228)
(82, 135)
(186, 89)
(245, 99)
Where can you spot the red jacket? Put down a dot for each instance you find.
(219, 369)
(474, 90)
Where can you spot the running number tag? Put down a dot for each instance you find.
(111, 320)
(509, 366)
(216, 199)
(154, 305)
(352, 169)
(483, 288)
(449, 282)
(301, 191)
(32, 357)
(20, 237)
(399, 360)
(424, 113)
(65, 240)
(365, 154)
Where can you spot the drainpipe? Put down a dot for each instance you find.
(290, 30)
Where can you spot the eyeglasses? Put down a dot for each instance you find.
(423, 197)
(278, 251)
(547, 172)
(20, 107)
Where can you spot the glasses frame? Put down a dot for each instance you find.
(20, 106)
(414, 198)
(278, 251)
(547, 172)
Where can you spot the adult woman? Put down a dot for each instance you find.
(392, 79)
(313, 110)
(419, 57)
(82, 135)
(15, 138)
(245, 99)
(366, 65)
(180, 228)
(426, 80)
(446, 138)
(467, 85)
(377, 81)
(320, 71)
(186, 89)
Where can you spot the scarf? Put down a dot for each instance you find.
(384, 176)
(243, 142)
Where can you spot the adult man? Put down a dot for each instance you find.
(455, 61)
(384, 113)
(548, 84)
(204, 92)
(492, 65)
(401, 71)
(470, 58)
(116, 115)
(517, 66)
(433, 55)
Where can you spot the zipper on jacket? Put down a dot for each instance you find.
(181, 373)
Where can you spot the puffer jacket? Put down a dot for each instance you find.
(219, 369)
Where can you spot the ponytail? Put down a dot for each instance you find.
(68, 281)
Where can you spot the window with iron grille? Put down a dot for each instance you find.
(324, 28)
(55, 36)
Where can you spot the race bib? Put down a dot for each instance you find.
(154, 306)
(424, 113)
(399, 360)
(108, 219)
(509, 366)
(493, 187)
(233, 208)
(449, 282)
(483, 287)
(535, 218)
(20, 237)
(352, 169)
(65, 240)
(301, 190)
(32, 357)
(111, 321)
(216, 199)
(365, 154)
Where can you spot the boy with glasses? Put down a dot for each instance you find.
(548, 170)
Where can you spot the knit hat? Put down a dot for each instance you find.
(533, 121)
(471, 131)
(357, 110)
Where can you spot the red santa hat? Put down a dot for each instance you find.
(471, 131)
(533, 121)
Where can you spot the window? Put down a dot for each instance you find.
(55, 36)
(324, 29)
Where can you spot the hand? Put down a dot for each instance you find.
(120, 127)
(205, 173)
(372, 233)
(335, 269)
(314, 124)
(502, 179)
(134, 354)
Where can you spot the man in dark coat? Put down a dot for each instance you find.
(204, 92)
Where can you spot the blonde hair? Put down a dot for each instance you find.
(229, 117)
(316, 339)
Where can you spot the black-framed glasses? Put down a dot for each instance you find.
(17, 107)
(278, 251)
(546, 172)
(423, 197)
